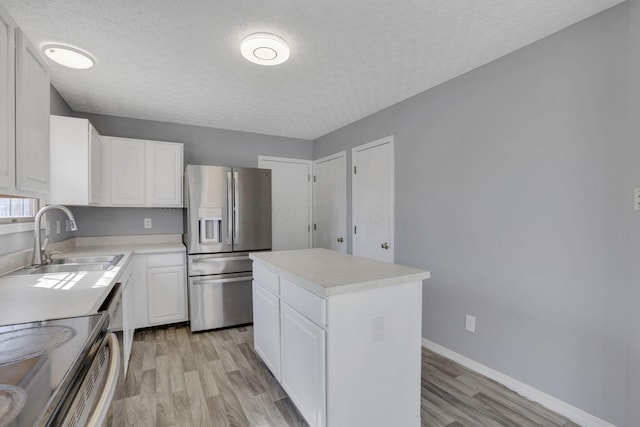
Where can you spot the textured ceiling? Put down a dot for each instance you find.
(179, 61)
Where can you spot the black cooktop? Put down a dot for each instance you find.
(39, 365)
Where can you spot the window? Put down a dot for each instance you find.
(17, 209)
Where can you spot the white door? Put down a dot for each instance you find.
(127, 171)
(32, 117)
(95, 166)
(266, 327)
(373, 200)
(290, 202)
(167, 295)
(303, 364)
(330, 202)
(164, 173)
(7, 103)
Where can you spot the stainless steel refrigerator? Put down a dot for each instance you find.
(228, 215)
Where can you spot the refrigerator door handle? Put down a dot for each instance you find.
(230, 209)
(233, 258)
(228, 280)
(236, 198)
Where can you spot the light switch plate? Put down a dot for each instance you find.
(470, 324)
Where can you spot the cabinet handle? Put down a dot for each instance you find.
(229, 280)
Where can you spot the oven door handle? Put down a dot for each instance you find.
(99, 414)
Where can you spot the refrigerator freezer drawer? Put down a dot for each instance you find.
(201, 265)
(217, 302)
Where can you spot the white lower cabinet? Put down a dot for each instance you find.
(303, 364)
(166, 295)
(160, 292)
(266, 329)
(128, 324)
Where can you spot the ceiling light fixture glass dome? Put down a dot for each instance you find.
(69, 56)
(265, 49)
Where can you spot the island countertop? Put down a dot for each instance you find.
(326, 272)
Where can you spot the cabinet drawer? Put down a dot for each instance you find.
(310, 305)
(266, 278)
(164, 260)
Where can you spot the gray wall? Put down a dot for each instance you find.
(126, 221)
(201, 146)
(506, 189)
(628, 223)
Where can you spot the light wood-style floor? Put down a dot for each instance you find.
(214, 378)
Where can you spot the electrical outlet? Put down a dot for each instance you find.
(147, 223)
(378, 329)
(470, 324)
(636, 199)
(67, 226)
(57, 226)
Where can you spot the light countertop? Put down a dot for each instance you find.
(50, 296)
(326, 272)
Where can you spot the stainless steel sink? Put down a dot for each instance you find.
(109, 259)
(71, 268)
(72, 265)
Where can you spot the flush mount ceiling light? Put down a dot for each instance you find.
(264, 49)
(69, 56)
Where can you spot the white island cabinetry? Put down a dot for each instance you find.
(342, 335)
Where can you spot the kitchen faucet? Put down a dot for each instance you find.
(38, 250)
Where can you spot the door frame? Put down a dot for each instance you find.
(386, 140)
(309, 164)
(341, 154)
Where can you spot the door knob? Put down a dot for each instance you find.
(385, 245)
(340, 239)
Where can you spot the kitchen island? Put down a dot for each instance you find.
(342, 334)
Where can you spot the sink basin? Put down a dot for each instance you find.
(72, 265)
(70, 268)
(109, 259)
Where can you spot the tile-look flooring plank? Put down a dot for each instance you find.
(214, 378)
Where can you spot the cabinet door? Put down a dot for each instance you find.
(164, 174)
(32, 118)
(69, 154)
(167, 295)
(266, 327)
(303, 365)
(128, 327)
(139, 291)
(7, 102)
(127, 172)
(95, 166)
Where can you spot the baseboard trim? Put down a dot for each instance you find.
(576, 415)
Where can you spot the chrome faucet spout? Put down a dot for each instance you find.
(37, 248)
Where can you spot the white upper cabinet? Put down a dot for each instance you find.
(144, 173)
(24, 114)
(127, 172)
(32, 118)
(164, 173)
(76, 162)
(7, 102)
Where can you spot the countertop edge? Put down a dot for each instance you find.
(324, 292)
